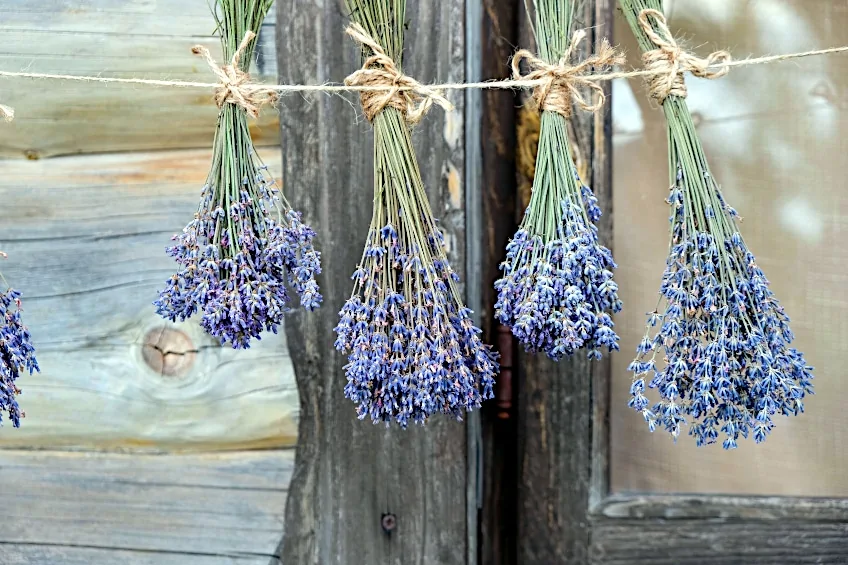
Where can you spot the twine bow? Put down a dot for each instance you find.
(235, 86)
(562, 81)
(392, 87)
(7, 112)
(669, 61)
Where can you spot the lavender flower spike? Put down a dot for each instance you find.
(724, 339)
(245, 243)
(17, 354)
(557, 290)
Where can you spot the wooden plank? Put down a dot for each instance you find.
(556, 420)
(93, 508)
(348, 473)
(709, 507)
(730, 542)
(114, 38)
(22, 554)
(498, 197)
(86, 239)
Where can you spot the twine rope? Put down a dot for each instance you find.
(506, 84)
(234, 86)
(669, 61)
(397, 90)
(561, 82)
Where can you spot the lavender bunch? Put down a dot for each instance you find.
(718, 346)
(557, 291)
(245, 243)
(16, 352)
(412, 347)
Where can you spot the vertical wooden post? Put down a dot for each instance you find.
(363, 494)
(498, 200)
(560, 469)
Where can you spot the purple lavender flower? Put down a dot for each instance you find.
(557, 290)
(413, 350)
(16, 354)
(236, 257)
(723, 338)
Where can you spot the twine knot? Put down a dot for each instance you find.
(385, 86)
(235, 86)
(669, 61)
(7, 113)
(561, 81)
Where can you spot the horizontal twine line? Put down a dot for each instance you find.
(505, 84)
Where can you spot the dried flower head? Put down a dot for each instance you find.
(412, 347)
(718, 346)
(17, 354)
(557, 292)
(245, 243)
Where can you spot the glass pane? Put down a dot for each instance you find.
(775, 136)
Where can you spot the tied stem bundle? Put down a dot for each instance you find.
(245, 243)
(557, 291)
(413, 350)
(718, 346)
(17, 355)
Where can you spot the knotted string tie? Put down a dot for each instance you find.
(235, 86)
(669, 61)
(561, 81)
(392, 88)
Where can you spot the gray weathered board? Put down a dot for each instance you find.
(349, 473)
(102, 509)
(86, 240)
(114, 38)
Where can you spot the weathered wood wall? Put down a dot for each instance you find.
(94, 180)
(348, 473)
(86, 234)
(114, 38)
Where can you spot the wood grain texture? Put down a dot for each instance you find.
(556, 411)
(92, 509)
(86, 239)
(731, 542)
(348, 473)
(499, 199)
(114, 38)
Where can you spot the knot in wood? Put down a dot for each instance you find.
(168, 351)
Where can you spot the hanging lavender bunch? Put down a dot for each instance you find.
(16, 352)
(412, 347)
(245, 242)
(557, 291)
(718, 345)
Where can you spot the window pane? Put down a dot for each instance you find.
(775, 136)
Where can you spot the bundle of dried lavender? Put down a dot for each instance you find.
(412, 348)
(557, 290)
(724, 341)
(16, 351)
(245, 241)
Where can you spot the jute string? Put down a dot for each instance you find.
(562, 81)
(246, 88)
(234, 84)
(669, 61)
(399, 91)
